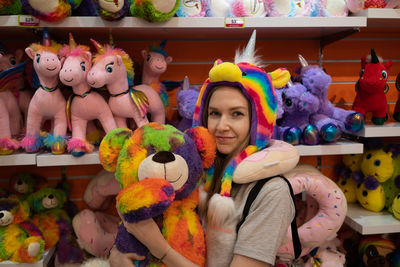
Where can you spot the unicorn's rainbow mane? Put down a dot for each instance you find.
(54, 48)
(66, 51)
(109, 51)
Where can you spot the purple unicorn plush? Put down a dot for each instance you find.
(186, 98)
(48, 102)
(297, 105)
(84, 104)
(329, 120)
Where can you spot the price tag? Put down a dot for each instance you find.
(234, 22)
(28, 21)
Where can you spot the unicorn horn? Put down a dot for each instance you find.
(99, 47)
(46, 38)
(185, 83)
(111, 40)
(72, 43)
(251, 45)
(303, 61)
(374, 58)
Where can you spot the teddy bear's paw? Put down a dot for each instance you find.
(145, 199)
(311, 135)
(354, 122)
(33, 249)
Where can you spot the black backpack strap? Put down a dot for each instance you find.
(252, 196)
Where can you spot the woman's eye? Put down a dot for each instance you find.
(109, 68)
(237, 114)
(213, 113)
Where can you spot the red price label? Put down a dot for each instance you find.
(28, 21)
(234, 22)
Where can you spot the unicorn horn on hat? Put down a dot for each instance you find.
(72, 43)
(248, 54)
(46, 38)
(374, 58)
(100, 49)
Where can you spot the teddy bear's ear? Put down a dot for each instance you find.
(110, 147)
(205, 144)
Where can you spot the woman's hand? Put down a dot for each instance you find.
(118, 259)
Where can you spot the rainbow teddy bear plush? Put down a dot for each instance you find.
(159, 168)
(20, 240)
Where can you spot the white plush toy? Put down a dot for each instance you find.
(96, 262)
(192, 8)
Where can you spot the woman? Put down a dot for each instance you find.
(238, 106)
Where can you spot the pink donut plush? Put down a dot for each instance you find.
(322, 223)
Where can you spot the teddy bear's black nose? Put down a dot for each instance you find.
(163, 157)
(1, 215)
(19, 182)
(51, 196)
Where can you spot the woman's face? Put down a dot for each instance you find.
(229, 119)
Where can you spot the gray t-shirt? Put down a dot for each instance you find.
(263, 231)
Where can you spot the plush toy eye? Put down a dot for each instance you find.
(361, 72)
(288, 102)
(377, 162)
(109, 68)
(83, 66)
(37, 58)
(358, 185)
(343, 182)
(58, 56)
(244, 73)
(398, 196)
(148, 58)
(13, 61)
(384, 74)
(368, 156)
(364, 193)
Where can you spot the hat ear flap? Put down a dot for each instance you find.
(110, 147)
(205, 144)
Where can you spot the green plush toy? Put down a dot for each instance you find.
(10, 7)
(154, 10)
(20, 240)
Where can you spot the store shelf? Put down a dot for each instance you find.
(381, 17)
(339, 148)
(132, 28)
(390, 129)
(368, 222)
(18, 158)
(48, 159)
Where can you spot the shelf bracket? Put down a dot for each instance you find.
(325, 40)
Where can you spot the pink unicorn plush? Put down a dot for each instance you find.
(48, 101)
(154, 65)
(113, 68)
(84, 104)
(10, 116)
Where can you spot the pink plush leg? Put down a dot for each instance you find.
(91, 235)
(5, 131)
(107, 120)
(121, 122)
(31, 144)
(8, 145)
(101, 187)
(79, 147)
(79, 126)
(60, 122)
